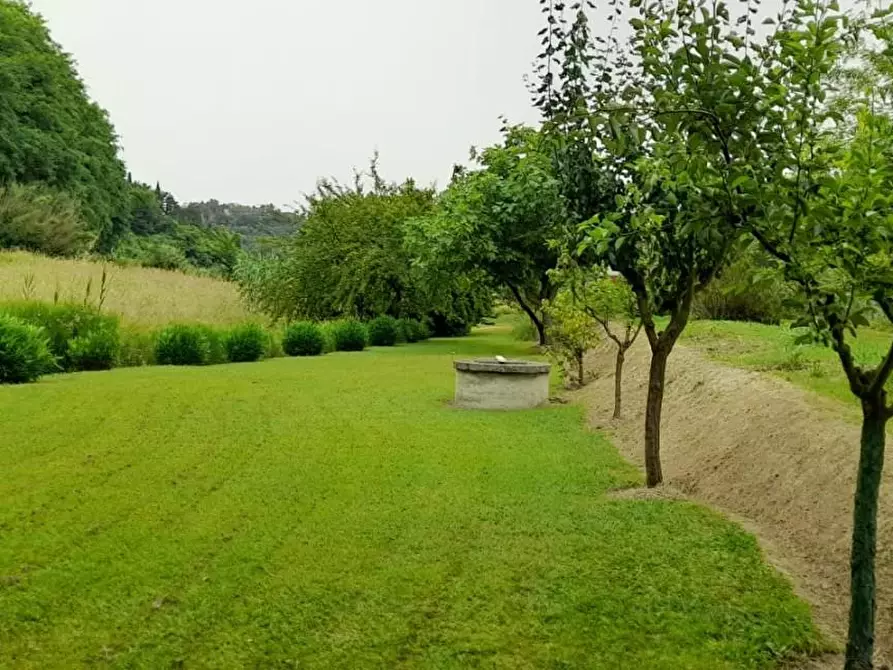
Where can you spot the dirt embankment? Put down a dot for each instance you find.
(779, 460)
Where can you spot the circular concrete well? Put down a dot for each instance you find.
(501, 384)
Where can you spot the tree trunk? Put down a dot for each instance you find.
(528, 310)
(860, 641)
(618, 382)
(541, 331)
(580, 379)
(656, 378)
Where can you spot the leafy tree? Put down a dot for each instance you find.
(572, 333)
(650, 186)
(820, 203)
(499, 220)
(609, 302)
(50, 132)
(350, 259)
(144, 214)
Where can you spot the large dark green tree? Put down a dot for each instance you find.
(50, 131)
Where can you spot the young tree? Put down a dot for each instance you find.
(572, 333)
(821, 204)
(499, 219)
(651, 190)
(609, 301)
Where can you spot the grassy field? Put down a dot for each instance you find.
(774, 349)
(338, 513)
(143, 297)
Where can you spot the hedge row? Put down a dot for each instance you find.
(40, 338)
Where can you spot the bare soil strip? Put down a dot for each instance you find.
(779, 460)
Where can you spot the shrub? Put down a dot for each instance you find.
(246, 343)
(414, 330)
(383, 331)
(748, 290)
(216, 345)
(97, 350)
(137, 348)
(274, 345)
(303, 339)
(63, 323)
(37, 218)
(183, 345)
(448, 325)
(328, 335)
(349, 335)
(24, 352)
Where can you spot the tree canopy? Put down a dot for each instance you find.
(50, 131)
(499, 219)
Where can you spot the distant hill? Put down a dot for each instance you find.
(253, 223)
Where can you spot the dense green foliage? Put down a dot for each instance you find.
(341, 494)
(350, 335)
(749, 289)
(350, 259)
(92, 333)
(246, 343)
(24, 351)
(36, 218)
(50, 132)
(384, 331)
(96, 350)
(303, 338)
(498, 221)
(412, 330)
(330, 269)
(183, 345)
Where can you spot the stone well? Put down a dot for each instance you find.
(501, 384)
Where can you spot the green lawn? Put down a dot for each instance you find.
(774, 349)
(338, 513)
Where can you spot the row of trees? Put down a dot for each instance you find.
(65, 191)
(679, 147)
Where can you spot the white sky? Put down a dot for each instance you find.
(253, 101)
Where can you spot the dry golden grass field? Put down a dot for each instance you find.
(143, 297)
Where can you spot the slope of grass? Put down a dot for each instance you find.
(774, 349)
(143, 297)
(338, 513)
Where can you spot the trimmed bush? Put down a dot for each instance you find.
(137, 348)
(274, 345)
(24, 352)
(303, 339)
(216, 345)
(97, 350)
(63, 323)
(349, 335)
(384, 331)
(413, 330)
(246, 343)
(183, 345)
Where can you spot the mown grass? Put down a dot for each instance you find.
(337, 513)
(774, 349)
(144, 297)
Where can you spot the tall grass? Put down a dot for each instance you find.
(142, 297)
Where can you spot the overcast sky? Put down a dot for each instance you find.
(253, 101)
